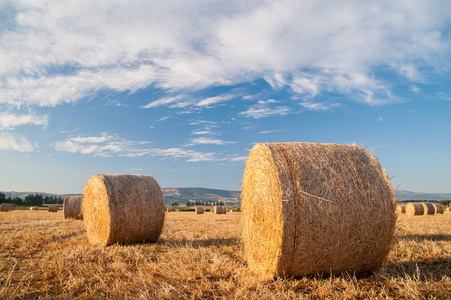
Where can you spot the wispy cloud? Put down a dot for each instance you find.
(263, 109)
(268, 131)
(11, 120)
(55, 53)
(208, 140)
(14, 142)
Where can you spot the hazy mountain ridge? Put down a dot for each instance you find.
(182, 195)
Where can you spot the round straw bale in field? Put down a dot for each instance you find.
(53, 207)
(414, 209)
(312, 208)
(169, 209)
(199, 210)
(5, 207)
(18, 208)
(72, 207)
(401, 209)
(429, 209)
(219, 210)
(439, 209)
(34, 208)
(122, 209)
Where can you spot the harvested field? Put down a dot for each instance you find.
(201, 256)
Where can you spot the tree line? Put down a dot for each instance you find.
(31, 200)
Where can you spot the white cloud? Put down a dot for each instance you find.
(10, 120)
(262, 109)
(57, 52)
(15, 143)
(163, 101)
(268, 131)
(208, 140)
(414, 89)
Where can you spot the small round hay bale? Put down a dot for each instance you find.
(169, 209)
(18, 208)
(199, 210)
(439, 209)
(414, 209)
(219, 210)
(53, 207)
(401, 209)
(5, 207)
(177, 210)
(312, 208)
(34, 208)
(122, 209)
(72, 207)
(429, 209)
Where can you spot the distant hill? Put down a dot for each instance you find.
(407, 195)
(183, 195)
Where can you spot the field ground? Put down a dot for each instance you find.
(201, 256)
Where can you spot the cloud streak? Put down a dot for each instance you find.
(60, 52)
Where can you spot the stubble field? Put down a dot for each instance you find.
(201, 256)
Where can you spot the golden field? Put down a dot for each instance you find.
(201, 256)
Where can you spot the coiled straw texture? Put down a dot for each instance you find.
(315, 209)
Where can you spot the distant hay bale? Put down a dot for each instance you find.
(312, 208)
(429, 209)
(53, 207)
(219, 210)
(72, 207)
(122, 209)
(34, 208)
(414, 209)
(439, 209)
(401, 209)
(177, 210)
(18, 208)
(199, 210)
(5, 207)
(169, 209)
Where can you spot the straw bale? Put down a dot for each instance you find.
(34, 208)
(219, 210)
(414, 209)
(72, 207)
(53, 207)
(429, 209)
(199, 210)
(122, 208)
(5, 207)
(169, 209)
(18, 208)
(312, 208)
(401, 209)
(439, 209)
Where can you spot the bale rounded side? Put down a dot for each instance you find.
(72, 207)
(414, 209)
(169, 209)
(429, 209)
(53, 207)
(199, 210)
(219, 210)
(34, 208)
(401, 209)
(439, 209)
(315, 209)
(122, 209)
(5, 207)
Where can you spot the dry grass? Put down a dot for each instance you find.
(201, 256)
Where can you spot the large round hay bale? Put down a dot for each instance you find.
(34, 208)
(439, 209)
(219, 210)
(401, 209)
(72, 207)
(414, 209)
(53, 207)
(199, 210)
(169, 208)
(312, 208)
(122, 209)
(5, 207)
(429, 209)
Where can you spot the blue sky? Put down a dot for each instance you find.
(181, 90)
